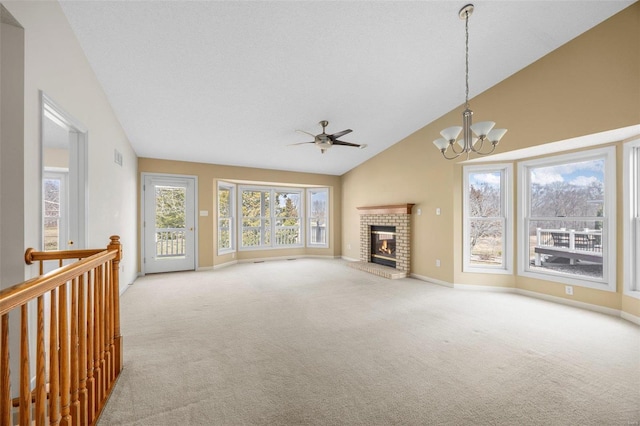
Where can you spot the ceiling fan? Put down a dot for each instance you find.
(325, 141)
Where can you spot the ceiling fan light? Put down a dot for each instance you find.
(441, 143)
(451, 133)
(495, 135)
(482, 128)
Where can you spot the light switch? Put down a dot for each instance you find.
(438, 211)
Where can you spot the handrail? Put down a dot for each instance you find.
(75, 373)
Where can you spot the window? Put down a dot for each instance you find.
(318, 219)
(54, 206)
(631, 228)
(487, 219)
(270, 217)
(226, 213)
(567, 223)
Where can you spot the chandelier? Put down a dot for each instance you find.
(476, 136)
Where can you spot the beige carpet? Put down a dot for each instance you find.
(315, 342)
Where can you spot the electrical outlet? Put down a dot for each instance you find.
(438, 263)
(438, 211)
(568, 289)
(348, 246)
(419, 212)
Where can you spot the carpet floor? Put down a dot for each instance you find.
(313, 342)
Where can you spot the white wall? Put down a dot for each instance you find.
(55, 64)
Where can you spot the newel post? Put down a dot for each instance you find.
(115, 276)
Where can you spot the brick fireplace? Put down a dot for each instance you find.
(396, 217)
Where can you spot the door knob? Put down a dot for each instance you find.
(70, 243)
(191, 229)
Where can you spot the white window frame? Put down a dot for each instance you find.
(327, 212)
(232, 223)
(631, 217)
(608, 281)
(272, 226)
(506, 173)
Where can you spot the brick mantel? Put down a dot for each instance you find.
(391, 209)
(397, 215)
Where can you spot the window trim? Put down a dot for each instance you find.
(608, 282)
(232, 222)
(631, 214)
(506, 195)
(308, 222)
(272, 190)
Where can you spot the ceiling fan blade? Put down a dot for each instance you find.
(306, 133)
(346, 143)
(301, 143)
(339, 134)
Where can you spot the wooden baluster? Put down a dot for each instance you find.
(107, 337)
(82, 354)
(115, 276)
(25, 377)
(5, 375)
(41, 360)
(103, 376)
(75, 403)
(91, 384)
(97, 371)
(64, 357)
(54, 366)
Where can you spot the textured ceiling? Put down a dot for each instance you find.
(229, 82)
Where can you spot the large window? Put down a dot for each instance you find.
(631, 217)
(270, 217)
(226, 214)
(567, 219)
(487, 219)
(318, 217)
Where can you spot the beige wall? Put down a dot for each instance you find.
(208, 176)
(589, 85)
(56, 157)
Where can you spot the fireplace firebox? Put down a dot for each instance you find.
(383, 245)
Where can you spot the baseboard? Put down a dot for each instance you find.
(554, 299)
(298, 256)
(631, 318)
(493, 288)
(574, 303)
(431, 280)
(204, 268)
(224, 265)
(350, 259)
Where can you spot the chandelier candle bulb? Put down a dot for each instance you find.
(483, 130)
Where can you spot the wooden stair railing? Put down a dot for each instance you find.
(76, 373)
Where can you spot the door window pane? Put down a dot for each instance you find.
(171, 212)
(52, 213)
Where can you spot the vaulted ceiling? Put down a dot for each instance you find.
(229, 82)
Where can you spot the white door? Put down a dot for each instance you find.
(169, 223)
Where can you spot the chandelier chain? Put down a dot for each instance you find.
(466, 53)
